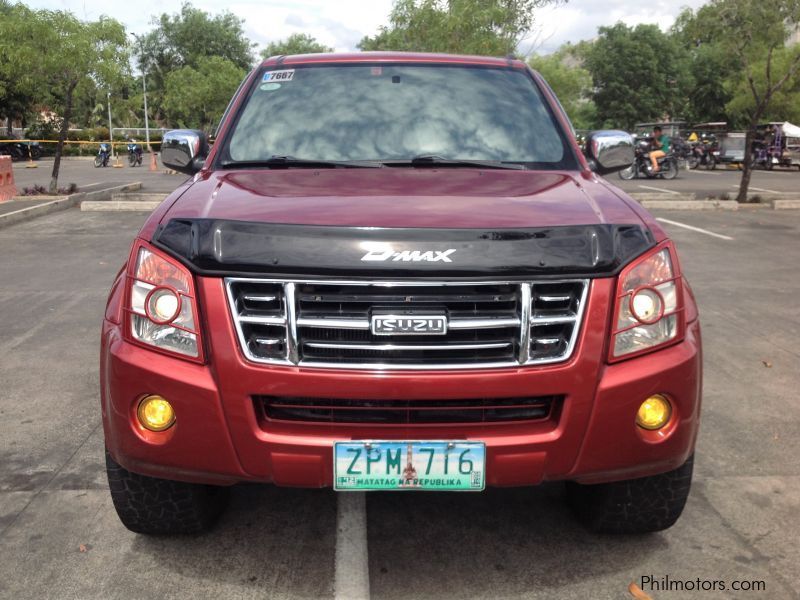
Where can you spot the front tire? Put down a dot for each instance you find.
(98, 161)
(641, 505)
(131, 160)
(160, 506)
(628, 173)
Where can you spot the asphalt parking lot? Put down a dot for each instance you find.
(60, 537)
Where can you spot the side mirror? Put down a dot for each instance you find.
(609, 151)
(184, 150)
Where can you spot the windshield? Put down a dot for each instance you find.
(397, 112)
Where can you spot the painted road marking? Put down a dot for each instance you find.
(647, 187)
(351, 581)
(697, 229)
(704, 172)
(758, 189)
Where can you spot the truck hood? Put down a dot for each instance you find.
(401, 197)
(401, 223)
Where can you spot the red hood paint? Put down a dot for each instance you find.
(403, 197)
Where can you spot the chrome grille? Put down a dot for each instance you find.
(328, 323)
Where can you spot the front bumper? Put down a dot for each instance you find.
(219, 437)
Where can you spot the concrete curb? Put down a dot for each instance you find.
(786, 204)
(140, 196)
(118, 205)
(690, 204)
(641, 196)
(62, 203)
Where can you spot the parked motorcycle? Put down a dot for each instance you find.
(702, 156)
(103, 154)
(134, 154)
(668, 165)
(20, 150)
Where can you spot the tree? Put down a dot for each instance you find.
(639, 74)
(571, 82)
(184, 40)
(65, 57)
(196, 98)
(755, 36)
(17, 87)
(297, 43)
(484, 27)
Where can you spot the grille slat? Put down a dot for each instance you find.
(329, 323)
(400, 412)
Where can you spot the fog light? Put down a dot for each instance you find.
(155, 413)
(654, 412)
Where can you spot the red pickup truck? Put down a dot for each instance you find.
(399, 272)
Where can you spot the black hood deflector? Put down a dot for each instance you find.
(225, 247)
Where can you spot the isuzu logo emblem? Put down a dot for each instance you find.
(409, 324)
(380, 252)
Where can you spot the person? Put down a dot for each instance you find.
(661, 142)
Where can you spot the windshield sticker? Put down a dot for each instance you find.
(269, 87)
(285, 75)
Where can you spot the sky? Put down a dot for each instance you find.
(342, 23)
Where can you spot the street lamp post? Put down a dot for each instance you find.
(110, 131)
(146, 123)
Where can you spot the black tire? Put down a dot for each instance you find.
(160, 506)
(669, 169)
(628, 173)
(693, 162)
(711, 162)
(640, 505)
(98, 161)
(131, 159)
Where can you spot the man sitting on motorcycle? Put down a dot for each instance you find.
(661, 143)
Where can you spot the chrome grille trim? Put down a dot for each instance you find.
(527, 324)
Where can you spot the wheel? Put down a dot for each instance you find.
(693, 162)
(669, 170)
(635, 506)
(629, 173)
(160, 506)
(98, 161)
(768, 164)
(132, 159)
(711, 162)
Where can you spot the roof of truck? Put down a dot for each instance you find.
(373, 57)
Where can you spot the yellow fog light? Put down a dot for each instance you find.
(155, 413)
(654, 412)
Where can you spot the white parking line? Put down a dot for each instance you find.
(351, 581)
(647, 187)
(705, 172)
(758, 189)
(697, 229)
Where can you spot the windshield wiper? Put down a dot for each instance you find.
(291, 161)
(434, 160)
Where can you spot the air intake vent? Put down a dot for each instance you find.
(388, 412)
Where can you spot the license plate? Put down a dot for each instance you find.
(384, 465)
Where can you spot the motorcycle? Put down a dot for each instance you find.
(20, 150)
(668, 165)
(702, 156)
(134, 154)
(103, 154)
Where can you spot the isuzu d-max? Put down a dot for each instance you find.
(399, 272)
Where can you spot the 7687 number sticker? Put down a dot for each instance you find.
(278, 76)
